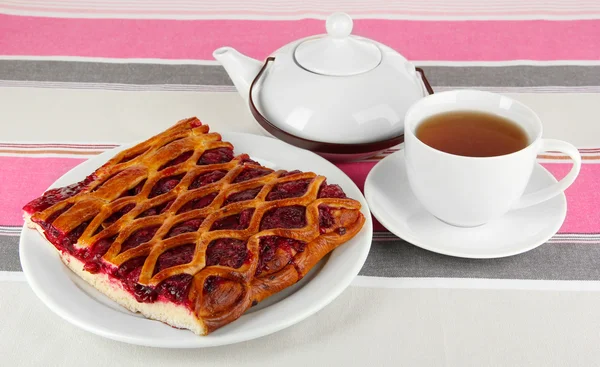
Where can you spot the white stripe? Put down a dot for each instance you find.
(12, 276)
(230, 88)
(112, 60)
(10, 234)
(214, 62)
(322, 15)
(470, 283)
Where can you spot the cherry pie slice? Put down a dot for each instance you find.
(184, 232)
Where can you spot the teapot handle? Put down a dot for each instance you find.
(257, 115)
(425, 81)
(321, 146)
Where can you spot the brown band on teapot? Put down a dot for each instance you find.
(317, 146)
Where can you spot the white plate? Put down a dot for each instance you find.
(77, 302)
(394, 205)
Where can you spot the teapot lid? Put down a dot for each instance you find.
(338, 53)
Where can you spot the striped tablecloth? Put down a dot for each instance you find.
(78, 78)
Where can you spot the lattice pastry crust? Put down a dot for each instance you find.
(179, 229)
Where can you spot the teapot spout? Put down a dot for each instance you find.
(241, 69)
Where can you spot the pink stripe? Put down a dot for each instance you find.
(583, 196)
(196, 39)
(23, 179)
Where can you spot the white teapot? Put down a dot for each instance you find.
(332, 93)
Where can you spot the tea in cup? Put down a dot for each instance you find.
(470, 155)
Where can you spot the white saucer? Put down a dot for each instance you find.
(392, 202)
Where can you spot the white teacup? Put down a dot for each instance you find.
(471, 191)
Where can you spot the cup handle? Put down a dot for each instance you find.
(553, 190)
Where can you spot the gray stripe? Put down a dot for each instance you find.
(513, 76)
(157, 74)
(399, 259)
(9, 253)
(548, 262)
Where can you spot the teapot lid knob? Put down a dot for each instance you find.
(339, 25)
(338, 53)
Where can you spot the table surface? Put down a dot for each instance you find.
(76, 80)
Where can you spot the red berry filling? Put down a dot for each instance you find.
(159, 209)
(326, 219)
(289, 173)
(198, 203)
(179, 159)
(176, 256)
(242, 195)
(54, 196)
(71, 238)
(236, 222)
(117, 215)
(94, 254)
(331, 191)
(138, 237)
(129, 273)
(286, 190)
(191, 225)
(165, 185)
(135, 190)
(206, 179)
(176, 288)
(216, 156)
(250, 173)
(226, 252)
(268, 247)
(132, 156)
(286, 217)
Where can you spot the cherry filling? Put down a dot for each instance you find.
(180, 159)
(326, 219)
(138, 237)
(331, 191)
(236, 222)
(176, 256)
(206, 179)
(270, 245)
(165, 185)
(226, 252)
(250, 173)
(135, 190)
(155, 210)
(191, 225)
(54, 196)
(245, 158)
(132, 156)
(286, 190)
(289, 173)
(285, 217)
(242, 195)
(92, 257)
(215, 156)
(129, 273)
(117, 215)
(176, 288)
(71, 238)
(198, 203)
